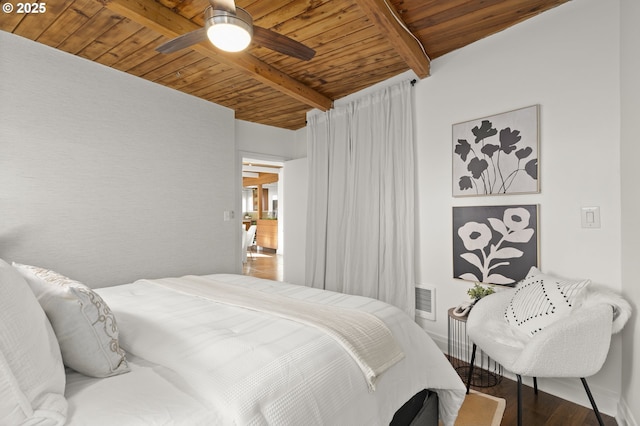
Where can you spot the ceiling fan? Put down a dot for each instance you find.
(231, 29)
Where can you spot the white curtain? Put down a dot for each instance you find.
(361, 215)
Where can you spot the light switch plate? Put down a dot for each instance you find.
(590, 217)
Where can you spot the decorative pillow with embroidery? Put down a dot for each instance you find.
(541, 300)
(83, 323)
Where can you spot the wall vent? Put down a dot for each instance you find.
(425, 302)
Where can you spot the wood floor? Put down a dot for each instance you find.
(264, 264)
(542, 409)
(538, 410)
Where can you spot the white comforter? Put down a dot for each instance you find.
(233, 366)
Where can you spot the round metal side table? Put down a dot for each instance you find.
(486, 372)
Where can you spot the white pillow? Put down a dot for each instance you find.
(85, 326)
(541, 300)
(32, 378)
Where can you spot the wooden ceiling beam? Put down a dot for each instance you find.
(389, 23)
(263, 179)
(153, 15)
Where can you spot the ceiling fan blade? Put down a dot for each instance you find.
(281, 43)
(185, 40)
(227, 5)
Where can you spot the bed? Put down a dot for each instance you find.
(225, 349)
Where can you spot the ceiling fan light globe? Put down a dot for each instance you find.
(228, 31)
(229, 37)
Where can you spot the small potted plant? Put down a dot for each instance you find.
(477, 292)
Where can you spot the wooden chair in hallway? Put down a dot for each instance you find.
(251, 239)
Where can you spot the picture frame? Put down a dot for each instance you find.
(497, 154)
(495, 244)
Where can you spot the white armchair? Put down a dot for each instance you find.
(575, 345)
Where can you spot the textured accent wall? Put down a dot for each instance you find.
(108, 178)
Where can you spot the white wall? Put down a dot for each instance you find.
(294, 185)
(630, 153)
(301, 143)
(106, 177)
(556, 60)
(268, 141)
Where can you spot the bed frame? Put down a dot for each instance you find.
(420, 410)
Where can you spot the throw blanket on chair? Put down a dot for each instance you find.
(595, 295)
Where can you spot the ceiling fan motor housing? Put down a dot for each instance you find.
(229, 31)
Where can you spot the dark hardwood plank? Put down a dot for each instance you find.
(542, 409)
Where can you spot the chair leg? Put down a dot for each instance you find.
(535, 385)
(473, 360)
(519, 399)
(593, 402)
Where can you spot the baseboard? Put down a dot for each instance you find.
(624, 416)
(441, 341)
(572, 390)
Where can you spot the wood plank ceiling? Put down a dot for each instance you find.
(358, 43)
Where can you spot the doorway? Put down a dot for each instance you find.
(261, 199)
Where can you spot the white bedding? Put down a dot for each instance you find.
(148, 395)
(364, 336)
(222, 364)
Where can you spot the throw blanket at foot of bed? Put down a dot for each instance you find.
(251, 367)
(364, 336)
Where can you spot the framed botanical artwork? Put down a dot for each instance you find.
(495, 244)
(497, 154)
